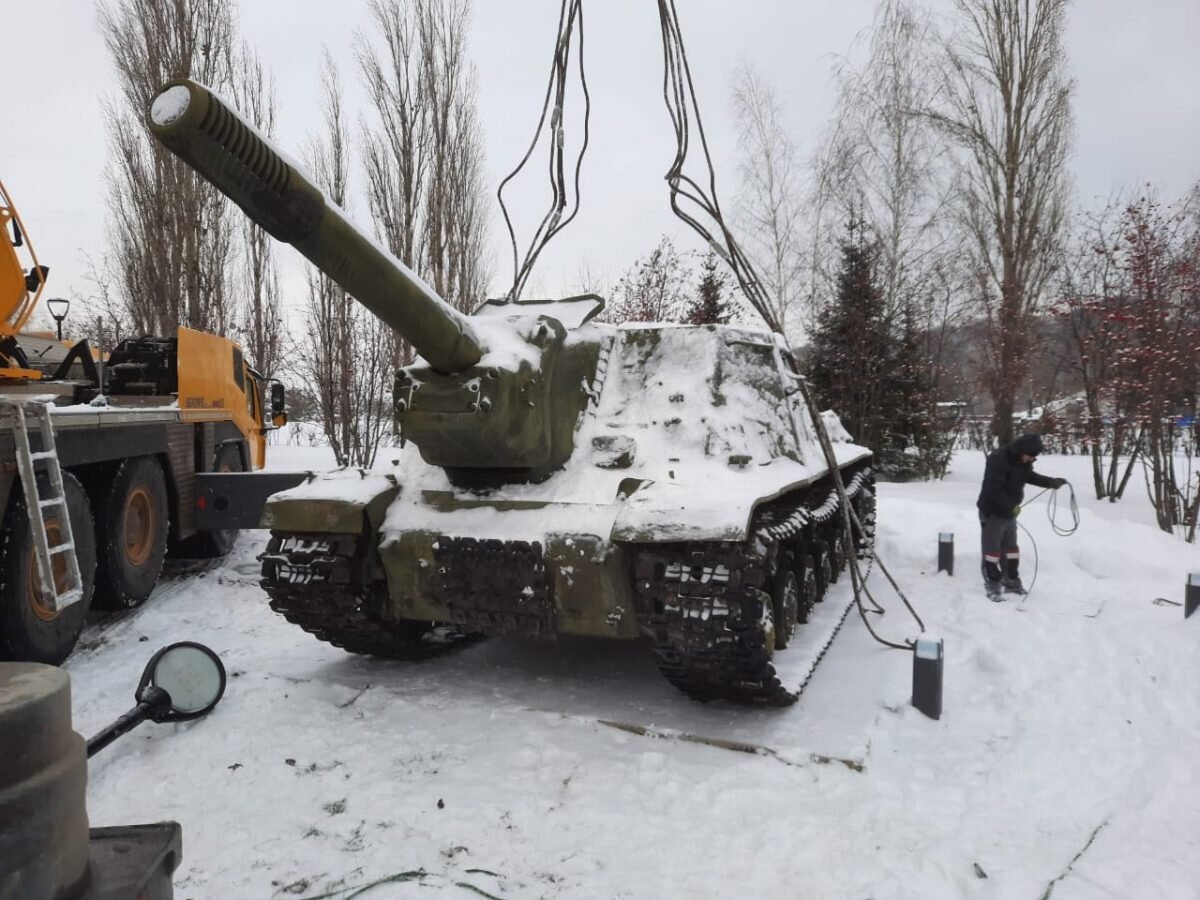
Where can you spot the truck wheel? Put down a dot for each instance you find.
(131, 533)
(29, 630)
(211, 544)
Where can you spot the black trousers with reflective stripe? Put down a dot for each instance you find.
(999, 539)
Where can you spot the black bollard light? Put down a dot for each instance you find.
(946, 552)
(928, 662)
(1191, 596)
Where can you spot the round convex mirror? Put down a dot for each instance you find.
(191, 674)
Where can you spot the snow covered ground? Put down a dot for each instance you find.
(1064, 765)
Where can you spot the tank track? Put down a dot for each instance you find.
(313, 582)
(702, 605)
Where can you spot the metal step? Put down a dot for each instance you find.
(29, 413)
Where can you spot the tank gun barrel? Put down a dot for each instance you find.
(199, 128)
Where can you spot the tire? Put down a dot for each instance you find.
(29, 632)
(131, 533)
(785, 601)
(212, 544)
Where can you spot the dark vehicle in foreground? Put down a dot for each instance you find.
(47, 851)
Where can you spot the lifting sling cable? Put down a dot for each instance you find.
(557, 216)
(680, 97)
(679, 94)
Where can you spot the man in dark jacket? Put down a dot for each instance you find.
(1008, 470)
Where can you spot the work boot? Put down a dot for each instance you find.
(1012, 578)
(992, 581)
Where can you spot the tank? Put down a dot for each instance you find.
(647, 482)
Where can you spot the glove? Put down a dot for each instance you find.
(1058, 482)
(1016, 511)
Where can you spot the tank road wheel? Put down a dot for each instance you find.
(29, 630)
(864, 508)
(785, 601)
(836, 554)
(808, 589)
(218, 542)
(131, 533)
(402, 639)
(821, 568)
(770, 636)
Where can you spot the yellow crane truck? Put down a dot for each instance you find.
(102, 458)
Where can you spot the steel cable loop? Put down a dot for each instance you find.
(1033, 544)
(1052, 515)
(570, 21)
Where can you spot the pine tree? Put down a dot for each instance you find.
(709, 306)
(872, 369)
(915, 447)
(851, 344)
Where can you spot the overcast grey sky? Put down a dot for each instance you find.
(1137, 106)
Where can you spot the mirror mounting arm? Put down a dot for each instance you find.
(146, 709)
(158, 701)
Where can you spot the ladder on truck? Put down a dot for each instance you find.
(33, 413)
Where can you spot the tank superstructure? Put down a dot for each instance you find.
(649, 481)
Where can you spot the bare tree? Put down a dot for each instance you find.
(1159, 254)
(883, 163)
(422, 148)
(347, 353)
(1007, 104)
(395, 153)
(172, 247)
(589, 280)
(1090, 295)
(657, 288)
(261, 326)
(770, 200)
(1130, 306)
